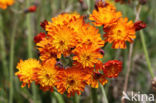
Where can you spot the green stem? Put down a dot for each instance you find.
(146, 53)
(53, 99)
(3, 57)
(3, 50)
(94, 95)
(76, 99)
(11, 66)
(89, 6)
(29, 41)
(104, 94)
(58, 97)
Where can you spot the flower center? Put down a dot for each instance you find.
(88, 58)
(47, 76)
(97, 76)
(61, 42)
(71, 82)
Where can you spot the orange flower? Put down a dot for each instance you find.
(46, 76)
(119, 33)
(63, 38)
(112, 68)
(5, 3)
(26, 70)
(90, 36)
(105, 16)
(87, 56)
(95, 78)
(46, 49)
(72, 81)
(64, 18)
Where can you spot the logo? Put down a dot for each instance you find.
(132, 96)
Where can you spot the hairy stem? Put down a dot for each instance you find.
(104, 94)
(11, 65)
(138, 10)
(94, 95)
(146, 53)
(30, 45)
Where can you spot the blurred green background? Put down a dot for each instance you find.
(17, 30)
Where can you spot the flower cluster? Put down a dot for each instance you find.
(71, 50)
(5, 3)
(117, 29)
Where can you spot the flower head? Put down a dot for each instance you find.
(46, 76)
(112, 68)
(90, 36)
(95, 78)
(119, 33)
(62, 39)
(46, 49)
(26, 70)
(105, 15)
(64, 18)
(5, 3)
(88, 56)
(72, 81)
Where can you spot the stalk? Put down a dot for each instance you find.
(58, 97)
(11, 66)
(76, 98)
(104, 94)
(94, 95)
(138, 10)
(3, 50)
(89, 6)
(146, 53)
(3, 57)
(29, 43)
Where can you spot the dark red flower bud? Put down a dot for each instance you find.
(81, 1)
(31, 9)
(99, 3)
(139, 25)
(43, 24)
(143, 2)
(101, 51)
(39, 37)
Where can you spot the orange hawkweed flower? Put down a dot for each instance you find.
(64, 18)
(46, 76)
(26, 70)
(46, 49)
(105, 16)
(5, 3)
(63, 38)
(95, 78)
(112, 68)
(72, 81)
(87, 56)
(89, 35)
(119, 33)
